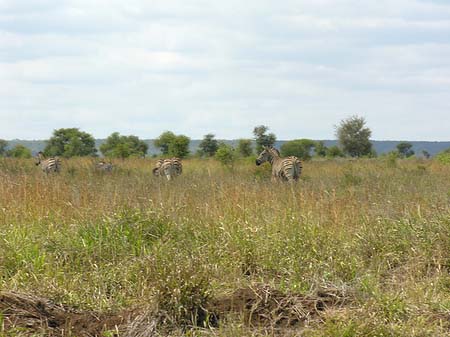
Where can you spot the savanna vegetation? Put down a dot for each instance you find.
(356, 248)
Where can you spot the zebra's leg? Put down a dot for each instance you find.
(168, 175)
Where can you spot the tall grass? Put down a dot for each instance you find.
(110, 241)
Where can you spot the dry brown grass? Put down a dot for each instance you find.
(125, 240)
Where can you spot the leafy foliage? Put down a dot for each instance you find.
(262, 138)
(405, 149)
(70, 142)
(209, 145)
(335, 151)
(164, 140)
(179, 147)
(444, 157)
(19, 151)
(3, 146)
(123, 146)
(245, 147)
(226, 155)
(173, 145)
(320, 150)
(300, 148)
(353, 136)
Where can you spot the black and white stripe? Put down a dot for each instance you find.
(169, 168)
(48, 165)
(285, 169)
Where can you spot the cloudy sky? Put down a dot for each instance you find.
(198, 66)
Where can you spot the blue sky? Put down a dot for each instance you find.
(195, 67)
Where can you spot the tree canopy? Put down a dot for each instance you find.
(118, 146)
(209, 145)
(173, 145)
(164, 140)
(405, 149)
(244, 147)
(353, 137)
(262, 138)
(300, 148)
(70, 142)
(19, 151)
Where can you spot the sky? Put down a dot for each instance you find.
(194, 67)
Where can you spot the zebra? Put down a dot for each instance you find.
(170, 168)
(52, 164)
(285, 169)
(103, 166)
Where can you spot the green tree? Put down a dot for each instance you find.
(320, 149)
(163, 141)
(70, 142)
(3, 146)
(335, 151)
(262, 138)
(353, 136)
(173, 145)
(245, 147)
(300, 148)
(426, 154)
(19, 151)
(209, 145)
(226, 155)
(405, 149)
(179, 146)
(118, 146)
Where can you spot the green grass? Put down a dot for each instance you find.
(127, 239)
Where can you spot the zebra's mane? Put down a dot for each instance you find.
(273, 151)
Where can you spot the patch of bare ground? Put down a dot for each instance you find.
(264, 306)
(32, 314)
(260, 306)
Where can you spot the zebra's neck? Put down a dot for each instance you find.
(273, 157)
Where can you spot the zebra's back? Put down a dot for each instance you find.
(289, 168)
(52, 164)
(169, 168)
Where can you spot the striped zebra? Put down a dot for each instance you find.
(103, 166)
(285, 169)
(169, 168)
(48, 165)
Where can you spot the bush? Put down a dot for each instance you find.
(300, 148)
(226, 155)
(123, 146)
(444, 157)
(19, 151)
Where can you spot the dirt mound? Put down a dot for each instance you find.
(37, 314)
(260, 305)
(263, 306)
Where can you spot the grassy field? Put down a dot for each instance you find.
(356, 248)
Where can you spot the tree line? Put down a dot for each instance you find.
(352, 134)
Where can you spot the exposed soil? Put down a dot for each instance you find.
(264, 306)
(260, 306)
(38, 315)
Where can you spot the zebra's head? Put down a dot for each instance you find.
(39, 158)
(267, 155)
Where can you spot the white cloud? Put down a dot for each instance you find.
(211, 66)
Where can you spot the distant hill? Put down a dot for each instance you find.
(381, 146)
